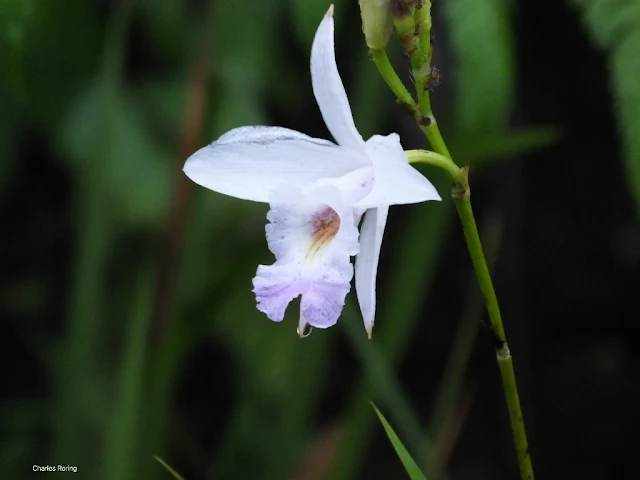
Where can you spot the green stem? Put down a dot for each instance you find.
(461, 197)
(422, 113)
(454, 172)
(391, 77)
(429, 125)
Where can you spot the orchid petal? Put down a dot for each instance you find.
(328, 88)
(371, 233)
(249, 162)
(396, 182)
(354, 186)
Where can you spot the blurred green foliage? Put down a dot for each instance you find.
(103, 87)
(615, 27)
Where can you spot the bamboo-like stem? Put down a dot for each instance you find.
(417, 42)
(429, 126)
(461, 195)
(462, 198)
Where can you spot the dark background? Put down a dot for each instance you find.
(128, 324)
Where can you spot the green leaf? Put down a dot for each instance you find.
(244, 39)
(615, 27)
(49, 78)
(405, 457)
(16, 19)
(506, 144)
(168, 468)
(107, 141)
(484, 84)
(124, 438)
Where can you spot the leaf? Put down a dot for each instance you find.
(124, 438)
(506, 144)
(244, 42)
(51, 77)
(168, 468)
(107, 141)
(614, 26)
(16, 19)
(405, 457)
(484, 83)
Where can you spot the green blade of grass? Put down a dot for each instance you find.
(168, 468)
(405, 457)
(124, 438)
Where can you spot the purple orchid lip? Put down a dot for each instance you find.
(322, 298)
(313, 249)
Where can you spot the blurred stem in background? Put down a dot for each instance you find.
(413, 25)
(78, 404)
(193, 123)
(461, 196)
(450, 406)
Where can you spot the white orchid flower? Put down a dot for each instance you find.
(318, 192)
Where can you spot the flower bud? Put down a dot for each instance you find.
(376, 22)
(402, 15)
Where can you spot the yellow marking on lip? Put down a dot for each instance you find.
(325, 227)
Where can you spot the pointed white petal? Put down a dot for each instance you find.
(396, 182)
(371, 233)
(328, 88)
(249, 162)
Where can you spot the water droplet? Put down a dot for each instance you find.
(306, 331)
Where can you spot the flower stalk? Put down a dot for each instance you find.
(454, 172)
(461, 195)
(390, 76)
(412, 20)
